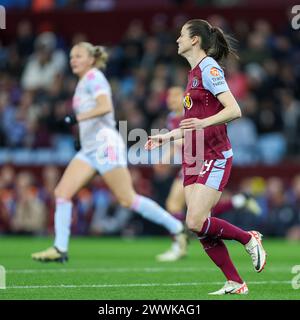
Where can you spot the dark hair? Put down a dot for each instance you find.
(214, 42)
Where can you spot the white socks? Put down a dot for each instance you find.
(146, 207)
(150, 210)
(62, 221)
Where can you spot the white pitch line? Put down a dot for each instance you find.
(110, 270)
(132, 270)
(128, 285)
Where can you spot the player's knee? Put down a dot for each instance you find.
(194, 222)
(60, 193)
(125, 200)
(125, 203)
(57, 192)
(172, 207)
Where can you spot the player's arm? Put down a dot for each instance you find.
(230, 112)
(103, 106)
(160, 139)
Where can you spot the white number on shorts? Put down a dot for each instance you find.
(206, 166)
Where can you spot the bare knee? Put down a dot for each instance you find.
(126, 200)
(195, 222)
(61, 193)
(172, 207)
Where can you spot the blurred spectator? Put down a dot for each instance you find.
(7, 197)
(219, 21)
(243, 137)
(151, 53)
(24, 39)
(4, 219)
(294, 231)
(291, 119)
(30, 215)
(7, 177)
(159, 30)
(256, 50)
(3, 56)
(237, 80)
(45, 65)
(108, 217)
(271, 142)
(281, 214)
(13, 121)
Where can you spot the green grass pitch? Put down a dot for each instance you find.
(116, 268)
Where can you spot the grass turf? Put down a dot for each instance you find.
(115, 268)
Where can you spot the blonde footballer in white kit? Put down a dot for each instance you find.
(102, 151)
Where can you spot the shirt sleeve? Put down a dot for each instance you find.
(97, 84)
(213, 80)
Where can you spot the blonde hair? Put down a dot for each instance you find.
(98, 52)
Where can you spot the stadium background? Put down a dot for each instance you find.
(35, 145)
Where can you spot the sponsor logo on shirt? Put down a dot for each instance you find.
(214, 72)
(187, 101)
(218, 77)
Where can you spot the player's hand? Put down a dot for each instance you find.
(192, 123)
(154, 142)
(70, 119)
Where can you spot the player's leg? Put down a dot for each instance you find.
(119, 182)
(198, 221)
(175, 202)
(200, 199)
(77, 174)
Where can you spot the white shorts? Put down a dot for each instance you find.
(109, 153)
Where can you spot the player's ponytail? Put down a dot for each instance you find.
(98, 52)
(220, 45)
(214, 41)
(101, 57)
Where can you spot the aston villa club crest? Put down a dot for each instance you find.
(195, 82)
(187, 101)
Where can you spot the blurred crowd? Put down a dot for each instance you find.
(93, 5)
(102, 5)
(36, 88)
(36, 85)
(27, 204)
(45, 5)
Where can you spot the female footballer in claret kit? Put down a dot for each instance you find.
(208, 106)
